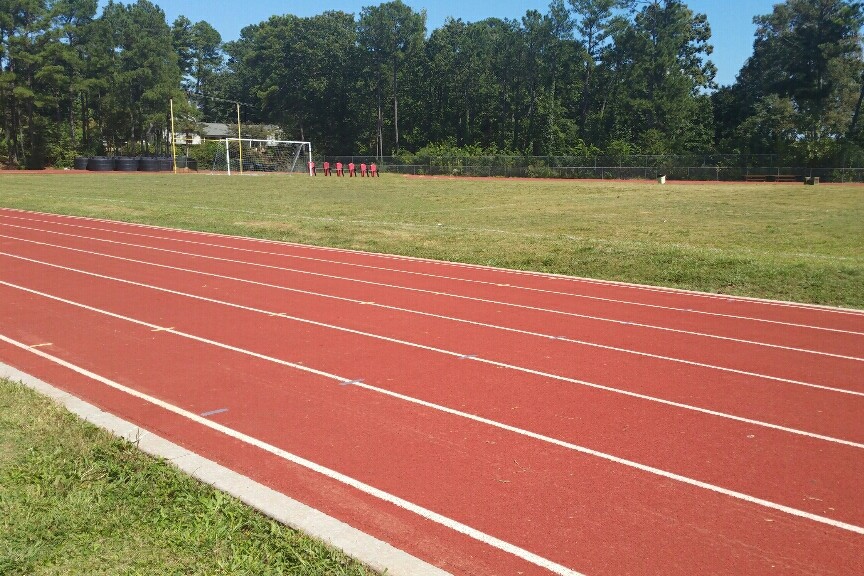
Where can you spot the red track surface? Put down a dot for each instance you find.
(572, 424)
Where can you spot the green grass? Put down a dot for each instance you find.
(76, 500)
(790, 242)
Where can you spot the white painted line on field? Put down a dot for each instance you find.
(445, 294)
(413, 345)
(460, 320)
(396, 500)
(318, 468)
(369, 550)
(214, 412)
(453, 278)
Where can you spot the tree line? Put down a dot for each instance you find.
(587, 77)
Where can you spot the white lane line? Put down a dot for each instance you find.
(431, 349)
(456, 278)
(572, 279)
(310, 465)
(445, 294)
(459, 320)
(442, 263)
(479, 419)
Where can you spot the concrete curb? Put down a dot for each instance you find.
(372, 552)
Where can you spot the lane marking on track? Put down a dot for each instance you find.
(599, 298)
(437, 350)
(479, 419)
(214, 412)
(310, 465)
(440, 263)
(41, 345)
(436, 293)
(443, 263)
(462, 321)
(351, 382)
(453, 278)
(162, 329)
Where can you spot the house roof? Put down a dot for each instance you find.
(220, 130)
(215, 130)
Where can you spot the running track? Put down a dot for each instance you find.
(486, 421)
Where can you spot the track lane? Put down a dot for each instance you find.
(658, 522)
(722, 451)
(765, 360)
(822, 371)
(414, 334)
(486, 278)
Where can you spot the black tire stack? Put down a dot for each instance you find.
(133, 164)
(149, 164)
(127, 164)
(100, 164)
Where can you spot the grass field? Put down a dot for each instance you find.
(73, 500)
(783, 241)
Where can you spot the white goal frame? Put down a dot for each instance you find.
(300, 147)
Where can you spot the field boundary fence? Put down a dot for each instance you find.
(718, 167)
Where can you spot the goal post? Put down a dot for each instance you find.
(239, 156)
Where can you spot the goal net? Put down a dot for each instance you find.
(239, 156)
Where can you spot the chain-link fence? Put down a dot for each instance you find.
(717, 167)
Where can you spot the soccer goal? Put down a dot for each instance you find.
(248, 155)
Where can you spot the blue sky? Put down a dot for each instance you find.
(731, 20)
